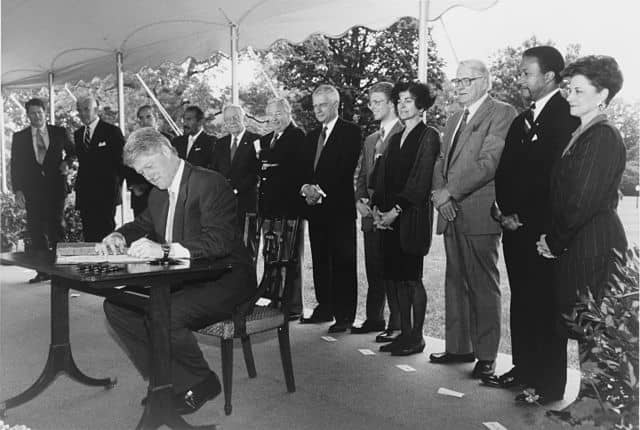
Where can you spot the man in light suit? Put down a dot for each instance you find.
(235, 158)
(328, 164)
(463, 193)
(381, 104)
(100, 171)
(279, 157)
(535, 140)
(195, 145)
(190, 214)
(40, 158)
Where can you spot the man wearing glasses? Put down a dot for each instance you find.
(463, 193)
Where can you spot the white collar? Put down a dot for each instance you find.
(388, 126)
(92, 125)
(329, 126)
(238, 137)
(193, 138)
(43, 130)
(473, 107)
(175, 183)
(541, 102)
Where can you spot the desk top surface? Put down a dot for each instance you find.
(129, 273)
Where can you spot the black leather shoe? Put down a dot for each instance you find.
(316, 319)
(398, 343)
(340, 326)
(483, 369)
(368, 326)
(447, 358)
(386, 336)
(40, 277)
(506, 380)
(414, 347)
(193, 399)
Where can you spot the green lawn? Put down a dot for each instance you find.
(434, 269)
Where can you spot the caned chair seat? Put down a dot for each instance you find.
(262, 318)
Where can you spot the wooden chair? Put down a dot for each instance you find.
(267, 309)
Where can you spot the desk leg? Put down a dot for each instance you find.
(60, 359)
(159, 409)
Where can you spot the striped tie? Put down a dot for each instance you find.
(86, 140)
(41, 148)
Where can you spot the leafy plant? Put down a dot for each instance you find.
(13, 221)
(610, 356)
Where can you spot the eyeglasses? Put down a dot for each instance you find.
(376, 103)
(465, 82)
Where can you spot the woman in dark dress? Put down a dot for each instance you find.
(403, 211)
(585, 234)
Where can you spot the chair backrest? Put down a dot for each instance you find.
(280, 254)
(251, 234)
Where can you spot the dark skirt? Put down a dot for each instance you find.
(397, 265)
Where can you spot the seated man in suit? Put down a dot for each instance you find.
(235, 157)
(278, 193)
(190, 214)
(40, 156)
(195, 145)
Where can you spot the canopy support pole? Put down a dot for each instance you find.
(423, 53)
(121, 119)
(234, 63)
(52, 102)
(3, 158)
(161, 108)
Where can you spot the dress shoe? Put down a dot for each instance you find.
(368, 326)
(316, 319)
(483, 369)
(340, 326)
(447, 358)
(40, 277)
(398, 343)
(294, 316)
(507, 380)
(193, 399)
(388, 335)
(415, 347)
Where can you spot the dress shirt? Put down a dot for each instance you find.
(329, 126)
(190, 140)
(238, 139)
(34, 137)
(472, 108)
(177, 250)
(388, 126)
(92, 128)
(541, 102)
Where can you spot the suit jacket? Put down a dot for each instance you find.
(279, 173)
(36, 180)
(200, 154)
(242, 173)
(204, 219)
(100, 170)
(469, 177)
(334, 172)
(524, 172)
(365, 182)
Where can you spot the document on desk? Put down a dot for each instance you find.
(93, 259)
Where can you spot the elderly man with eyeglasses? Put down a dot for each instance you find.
(463, 193)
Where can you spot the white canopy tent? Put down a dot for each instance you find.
(70, 40)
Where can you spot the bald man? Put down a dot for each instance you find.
(234, 156)
(98, 146)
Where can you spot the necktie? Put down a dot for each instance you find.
(87, 136)
(234, 147)
(380, 141)
(528, 118)
(168, 232)
(189, 146)
(321, 139)
(454, 143)
(274, 140)
(41, 148)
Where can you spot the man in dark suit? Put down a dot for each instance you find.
(40, 158)
(384, 110)
(534, 141)
(278, 196)
(235, 158)
(190, 214)
(329, 160)
(195, 145)
(100, 171)
(463, 193)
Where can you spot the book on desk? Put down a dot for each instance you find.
(85, 252)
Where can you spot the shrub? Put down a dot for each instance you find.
(610, 361)
(13, 222)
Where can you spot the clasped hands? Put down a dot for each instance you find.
(115, 243)
(444, 203)
(383, 220)
(507, 222)
(543, 247)
(312, 194)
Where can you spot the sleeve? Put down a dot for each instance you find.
(419, 184)
(141, 226)
(68, 146)
(587, 189)
(361, 178)
(487, 160)
(249, 180)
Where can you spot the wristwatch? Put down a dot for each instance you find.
(166, 249)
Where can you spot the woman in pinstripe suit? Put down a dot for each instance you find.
(585, 234)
